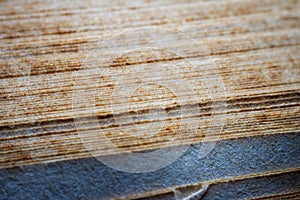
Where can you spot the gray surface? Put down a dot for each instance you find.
(89, 179)
(255, 187)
